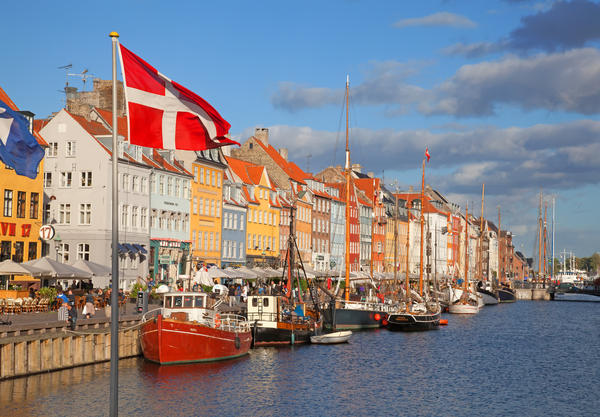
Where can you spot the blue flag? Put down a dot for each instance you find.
(18, 147)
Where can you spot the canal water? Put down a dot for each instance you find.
(528, 359)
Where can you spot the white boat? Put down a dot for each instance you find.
(331, 338)
(463, 309)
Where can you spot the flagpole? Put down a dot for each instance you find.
(114, 301)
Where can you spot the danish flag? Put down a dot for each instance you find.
(427, 154)
(165, 115)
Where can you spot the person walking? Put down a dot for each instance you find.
(72, 315)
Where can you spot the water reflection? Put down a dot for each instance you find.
(501, 362)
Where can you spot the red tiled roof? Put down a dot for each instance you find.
(240, 168)
(247, 195)
(6, 99)
(121, 121)
(162, 161)
(289, 168)
(93, 128)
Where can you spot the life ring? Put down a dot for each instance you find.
(217, 320)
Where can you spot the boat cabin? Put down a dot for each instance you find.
(188, 306)
(273, 309)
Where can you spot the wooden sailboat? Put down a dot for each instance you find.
(423, 315)
(345, 314)
(466, 304)
(281, 319)
(484, 287)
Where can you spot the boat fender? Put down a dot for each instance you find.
(217, 320)
(377, 316)
(384, 322)
(237, 341)
(293, 338)
(444, 322)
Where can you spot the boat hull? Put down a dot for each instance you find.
(506, 295)
(167, 341)
(331, 338)
(488, 297)
(463, 309)
(355, 319)
(412, 322)
(283, 334)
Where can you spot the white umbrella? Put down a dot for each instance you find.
(10, 267)
(216, 272)
(54, 269)
(93, 268)
(250, 274)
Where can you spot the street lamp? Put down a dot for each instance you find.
(57, 241)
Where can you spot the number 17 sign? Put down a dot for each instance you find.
(47, 232)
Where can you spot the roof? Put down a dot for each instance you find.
(121, 121)
(6, 99)
(291, 169)
(247, 172)
(93, 128)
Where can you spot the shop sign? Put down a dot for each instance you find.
(47, 232)
(164, 259)
(170, 244)
(10, 229)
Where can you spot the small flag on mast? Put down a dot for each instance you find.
(165, 115)
(19, 149)
(427, 153)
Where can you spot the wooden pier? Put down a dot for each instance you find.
(37, 348)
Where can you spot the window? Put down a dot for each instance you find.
(46, 213)
(86, 178)
(178, 188)
(19, 248)
(134, 217)
(212, 208)
(143, 217)
(195, 206)
(194, 239)
(21, 203)
(32, 254)
(63, 252)
(207, 182)
(161, 185)
(134, 263)
(47, 179)
(201, 209)
(135, 184)
(205, 240)
(153, 219)
(70, 149)
(52, 150)
(170, 186)
(260, 216)
(241, 249)
(144, 185)
(217, 241)
(85, 214)
(125, 182)
(195, 173)
(124, 215)
(153, 184)
(241, 222)
(64, 214)
(211, 241)
(218, 179)
(83, 251)
(185, 190)
(201, 176)
(65, 179)
(5, 250)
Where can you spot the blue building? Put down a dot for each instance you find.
(233, 224)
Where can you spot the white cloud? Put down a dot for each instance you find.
(438, 19)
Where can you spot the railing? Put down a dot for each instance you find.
(362, 305)
(231, 323)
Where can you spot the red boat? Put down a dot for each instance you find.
(187, 330)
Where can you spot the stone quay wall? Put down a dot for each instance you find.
(32, 349)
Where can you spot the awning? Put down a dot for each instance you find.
(130, 248)
(122, 248)
(140, 248)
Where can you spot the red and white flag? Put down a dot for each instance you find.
(165, 115)
(427, 153)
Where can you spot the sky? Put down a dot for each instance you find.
(505, 93)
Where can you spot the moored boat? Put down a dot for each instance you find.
(419, 317)
(331, 338)
(187, 329)
(506, 294)
(276, 321)
(488, 296)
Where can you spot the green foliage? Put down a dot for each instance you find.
(46, 292)
(137, 287)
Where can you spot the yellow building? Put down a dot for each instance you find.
(206, 205)
(264, 210)
(22, 200)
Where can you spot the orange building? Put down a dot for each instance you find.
(21, 216)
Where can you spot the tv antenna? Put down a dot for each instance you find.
(66, 68)
(83, 74)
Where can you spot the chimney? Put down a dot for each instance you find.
(284, 153)
(356, 167)
(262, 134)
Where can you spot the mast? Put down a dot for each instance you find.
(466, 249)
(480, 248)
(499, 248)
(373, 217)
(396, 247)
(422, 224)
(545, 235)
(347, 286)
(407, 279)
(540, 236)
(553, 208)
